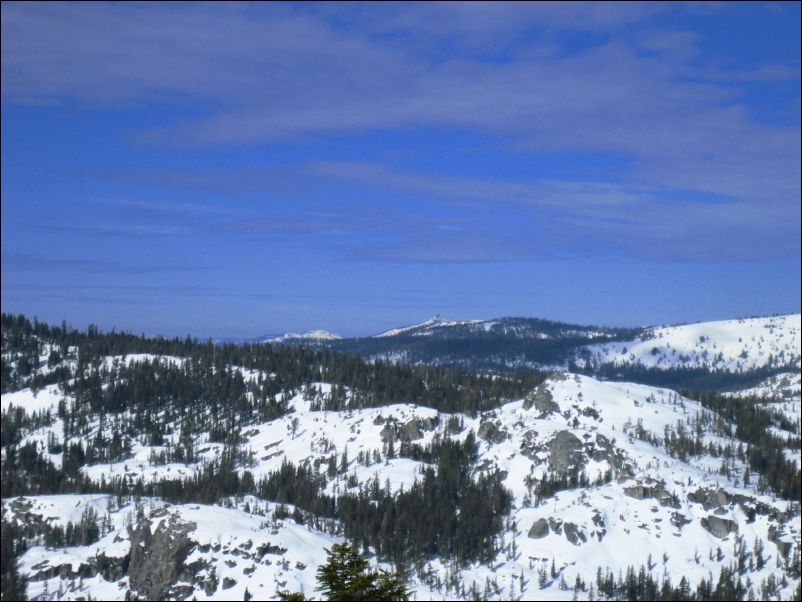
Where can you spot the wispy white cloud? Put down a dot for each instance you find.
(27, 262)
(702, 172)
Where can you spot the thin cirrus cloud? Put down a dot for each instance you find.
(702, 171)
(26, 262)
(590, 218)
(563, 218)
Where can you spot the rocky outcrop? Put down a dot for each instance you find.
(411, 431)
(783, 547)
(603, 450)
(429, 424)
(112, 568)
(388, 434)
(490, 432)
(575, 534)
(542, 400)
(157, 557)
(598, 521)
(556, 525)
(529, 444)
(639, 492)
(719, 527)
(565, 451)
(679, 520)
(656, 491)
(710, 498)
(539, 529)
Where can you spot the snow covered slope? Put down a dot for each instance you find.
(312, 335)
(428, 327)
(733, 345)
(219, 552)
(786, 385)
(637, 499)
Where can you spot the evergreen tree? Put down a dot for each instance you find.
(346, 576)
(13, 585)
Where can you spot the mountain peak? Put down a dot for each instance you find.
(315, 335)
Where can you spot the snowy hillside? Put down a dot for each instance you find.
(638, 498)
(514, 328)
(217, 552)
(429, 326)
(137, 467)
(312, 335)
(786, 385)
(733, 345)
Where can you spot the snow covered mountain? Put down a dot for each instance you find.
(581, 479)
(521, 328)
(209, 552)
(431, 326)
(635, 498)
(786, 385)
(312, 335)
(734, 345)
(728, 354)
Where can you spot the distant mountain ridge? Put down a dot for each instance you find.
(748, 350)
(314, 335)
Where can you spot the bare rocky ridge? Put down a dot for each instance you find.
(158, 555)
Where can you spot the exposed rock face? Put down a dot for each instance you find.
(710, 498)
(411, 431)
(157, 558)
(539, 529)
(542, 400)
(565, 451)
(556, 525)
(489, 431)
(429, 424)
(111, 568)
(529, 444)
(639, 492)
(598, 521)
(720, 527)
(679, 520)
(388, 434)
(603, 450)
(666, 498)
(783, 547)
(657, 491)
(574, 534)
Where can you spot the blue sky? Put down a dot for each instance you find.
(238, 170)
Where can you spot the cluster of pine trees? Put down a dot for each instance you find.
(765, 451)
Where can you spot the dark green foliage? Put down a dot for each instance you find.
(346, 576)
(765, 451)
(82, 534)
(12, 545)
(701, 379)
(641, 584)
(291, 596)
(446, 513)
